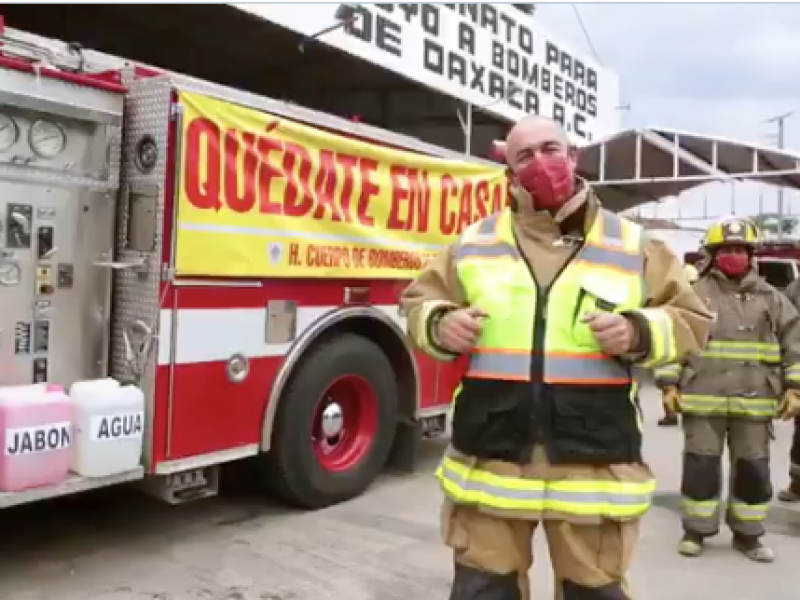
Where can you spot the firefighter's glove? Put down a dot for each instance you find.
(671, 399)
(789, 406)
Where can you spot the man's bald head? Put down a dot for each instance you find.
(533, 135)
(541, 161)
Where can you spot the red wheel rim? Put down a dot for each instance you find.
(345, 423)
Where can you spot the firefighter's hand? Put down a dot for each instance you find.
(789, 406)
(671, 399)
(613, 332)
(460, 329)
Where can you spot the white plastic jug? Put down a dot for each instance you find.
(109, 427)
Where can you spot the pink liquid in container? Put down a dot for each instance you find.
(36, 432)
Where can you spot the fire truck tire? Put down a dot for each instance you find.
(335, 424)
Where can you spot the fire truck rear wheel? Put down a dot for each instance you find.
(335, 424)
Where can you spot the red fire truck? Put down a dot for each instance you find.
(312, 380)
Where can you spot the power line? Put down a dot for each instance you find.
(585, 32)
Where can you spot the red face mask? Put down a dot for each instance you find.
(732, 265)
(549, 180)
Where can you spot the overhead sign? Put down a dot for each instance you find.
(474, 52)
(263, 196)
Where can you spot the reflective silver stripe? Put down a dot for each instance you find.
(612, 229)
(668, 374)
(667, 370)
(543, 496)
(488, 225)
(495, 250)
(707, 404)
(584, 368)
(485, 232)
(756, 406)
(612, 258)
(609, 252)
(742, 351)
(512, 366)
(556, 367)
(791, 373)
(748, 512)
(703, 509)
(610, 249)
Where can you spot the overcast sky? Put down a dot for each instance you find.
(713, 68)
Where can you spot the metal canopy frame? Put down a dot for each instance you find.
(647, 165)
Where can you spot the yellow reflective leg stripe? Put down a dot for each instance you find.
(699, 509)
(748, 512)
(662, 338)
(722, 405)
(794, 470)
(465, 485)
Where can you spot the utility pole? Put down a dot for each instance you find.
(780, 121)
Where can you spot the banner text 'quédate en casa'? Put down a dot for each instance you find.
(264, 196)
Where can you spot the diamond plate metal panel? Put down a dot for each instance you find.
(136, 291)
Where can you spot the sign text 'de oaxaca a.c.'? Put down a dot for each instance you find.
(262, 196)
(473, 52)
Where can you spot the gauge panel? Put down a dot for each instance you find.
(47, 139)
(9, 132)
(10, 274)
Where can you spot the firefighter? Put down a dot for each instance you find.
(748, 373)
(553, 300)
(671, 419)
(792, 493)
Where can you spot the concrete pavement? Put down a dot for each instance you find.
(383, 546)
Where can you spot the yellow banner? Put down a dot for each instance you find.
(263, 196)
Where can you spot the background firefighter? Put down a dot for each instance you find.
(748, 373)
(792, 493)
(553, 301)
(670, 419)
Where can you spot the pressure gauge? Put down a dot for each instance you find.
(9, 274)
(9, 132)
(146, 154)
(47, 139)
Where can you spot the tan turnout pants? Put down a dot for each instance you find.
(750, 488)
(590, 556)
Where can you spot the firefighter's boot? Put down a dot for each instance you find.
(668, 421)
(753, 548)
(790, 494)
(691, 544)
